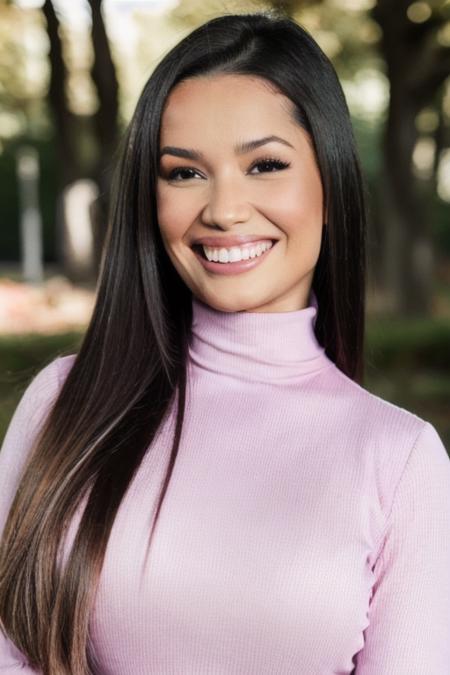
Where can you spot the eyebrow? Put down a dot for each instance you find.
(240, 148)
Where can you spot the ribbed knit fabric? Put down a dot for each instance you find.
(306, 528)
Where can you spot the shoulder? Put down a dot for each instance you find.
(63, 365)
(377, 413)
(383, 435)
(39, 394)
(50, 377)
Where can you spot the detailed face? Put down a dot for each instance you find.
(256, 206)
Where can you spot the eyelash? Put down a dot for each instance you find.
(272, 161)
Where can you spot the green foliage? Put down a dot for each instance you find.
(21, 358)
(440, 212)
(407, 363)
(27, 352)
(408, 344)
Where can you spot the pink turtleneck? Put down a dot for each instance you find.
(306, 528)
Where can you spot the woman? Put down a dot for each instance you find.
(305, 527)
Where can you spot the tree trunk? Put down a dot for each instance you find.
(416, 68)
(66, 159)
(67, 130)
(408, 254)
(106, 124)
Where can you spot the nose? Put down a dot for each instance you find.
(226, 203)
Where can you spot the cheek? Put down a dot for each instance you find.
(297, 207)
(172, 215)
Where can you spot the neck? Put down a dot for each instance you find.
(260, 346)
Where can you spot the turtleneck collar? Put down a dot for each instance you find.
(259, 346)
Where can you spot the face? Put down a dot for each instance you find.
(212, 190)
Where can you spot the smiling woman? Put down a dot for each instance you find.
(233, 189)
(206, 487)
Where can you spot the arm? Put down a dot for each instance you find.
(409, 630)
(23, 427)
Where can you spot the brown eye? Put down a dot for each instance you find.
(272, 163)
(179, 171)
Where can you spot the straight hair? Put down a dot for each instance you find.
(130, 370)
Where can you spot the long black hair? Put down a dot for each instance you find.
(131, 367)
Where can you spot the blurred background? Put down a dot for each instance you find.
(70, 74)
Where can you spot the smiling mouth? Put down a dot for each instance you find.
(200, 250)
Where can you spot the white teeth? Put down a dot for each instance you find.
(234, 254)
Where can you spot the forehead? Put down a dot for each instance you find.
(226, 105)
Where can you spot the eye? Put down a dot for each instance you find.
(180, 170)
(271, 162)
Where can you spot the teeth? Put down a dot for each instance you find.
(234, 254)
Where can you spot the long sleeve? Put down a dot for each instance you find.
(409, 630)
(28, 417)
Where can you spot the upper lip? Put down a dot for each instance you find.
(236, 240)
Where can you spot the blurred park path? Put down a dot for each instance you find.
(55, 306)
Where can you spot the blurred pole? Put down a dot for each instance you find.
(77, 237)
(30, 216)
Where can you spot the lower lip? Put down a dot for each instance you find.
(233, 267)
